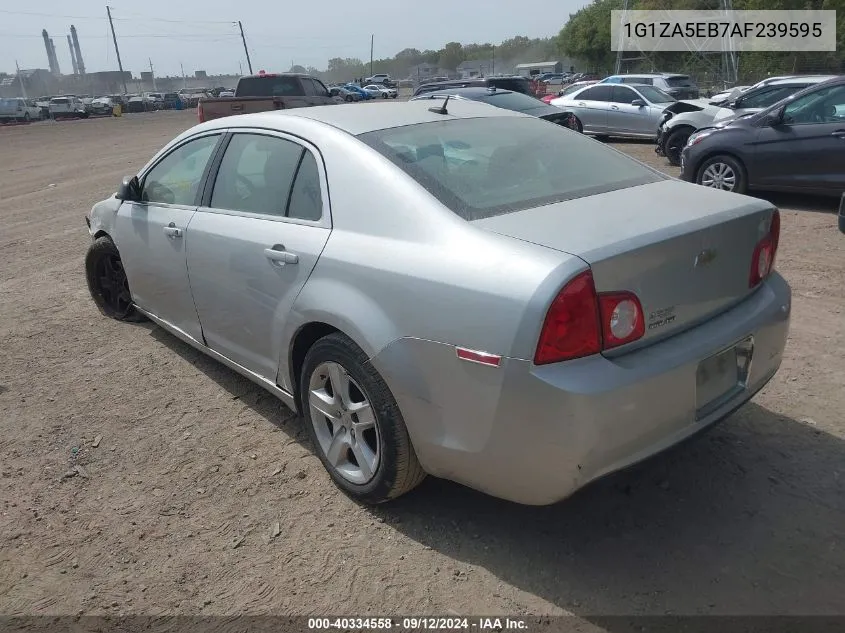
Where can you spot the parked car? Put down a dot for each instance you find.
(794, 145)
(102, 106)
(341, 94)
(140, 103)
(17, 109)
(171, 100)
(675, 127)
(570, 88)
(616, 109)
(514, 83)
(628, 305)
(679, 86)
(380, 78)
(381, 91)
(507, 99)
(364, 94)
(373, 91)
(267, 91)
(67, 106)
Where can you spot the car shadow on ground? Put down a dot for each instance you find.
(744, 519)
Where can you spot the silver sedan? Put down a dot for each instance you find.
(520, 309)
(627, 110)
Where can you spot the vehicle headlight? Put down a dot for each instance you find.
(696, 137)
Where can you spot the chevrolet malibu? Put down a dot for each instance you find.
(520, 309)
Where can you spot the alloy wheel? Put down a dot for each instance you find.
(719, 176)
(344, 423)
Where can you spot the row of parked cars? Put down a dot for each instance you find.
(352, 92)
(783, 133)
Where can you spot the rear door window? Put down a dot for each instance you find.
(256, 174)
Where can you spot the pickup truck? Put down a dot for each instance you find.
(18, 109)
(267, 91)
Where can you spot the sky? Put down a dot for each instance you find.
(203, 34)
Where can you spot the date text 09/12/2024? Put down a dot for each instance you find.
(421, 623)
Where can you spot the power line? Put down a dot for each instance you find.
(94, 17)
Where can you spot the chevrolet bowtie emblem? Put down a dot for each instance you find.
(705, 257)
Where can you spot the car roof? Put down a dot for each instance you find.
(366, 118)
(813, 79)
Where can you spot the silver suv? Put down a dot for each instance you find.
(679, 86)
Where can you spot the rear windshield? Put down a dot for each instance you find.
(269, 87)
(59, 101)
(520, 85)
(512, 101)
(489, 166)
(679, 81)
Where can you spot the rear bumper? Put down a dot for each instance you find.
(536, 434)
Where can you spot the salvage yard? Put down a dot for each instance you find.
(139, 476)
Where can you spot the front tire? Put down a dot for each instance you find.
(675, 143)
(355, 424)
(26, 117)
(722, 172)
(573, 123)
(107, 282)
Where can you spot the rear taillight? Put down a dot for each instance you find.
(200, 113)
(763, 259)
(571, 329)
(581, 322)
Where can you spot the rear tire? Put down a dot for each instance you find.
(358, 422)
(722, 172)
(675, 143)
(107, 282)
(349, 99)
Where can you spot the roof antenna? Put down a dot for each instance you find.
(442, 109)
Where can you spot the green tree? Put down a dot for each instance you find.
(452, 55)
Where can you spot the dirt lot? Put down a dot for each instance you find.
(173, 511)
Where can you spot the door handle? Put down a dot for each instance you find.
(582, 104)
(172, 231)
(279, 256)
(838, 133)
(614, 107)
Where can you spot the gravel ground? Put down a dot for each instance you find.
(140, 477)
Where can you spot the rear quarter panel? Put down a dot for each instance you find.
(402, 265)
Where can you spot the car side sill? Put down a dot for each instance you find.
(277, 391)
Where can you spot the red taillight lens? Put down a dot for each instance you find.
(200, 113)
(621, 318)
(763, 259)
(571, 329)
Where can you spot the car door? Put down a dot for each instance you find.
(591, 107)
(625, 118)
(807, 149)
(152, 234)
(254, 242)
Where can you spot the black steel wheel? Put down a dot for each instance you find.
(107, 281)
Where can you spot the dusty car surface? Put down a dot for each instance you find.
(521, 309)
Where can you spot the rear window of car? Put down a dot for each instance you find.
(59, 101)
(519, 85)
(512, 101)
(488, 166)
(679, 81)
(269, 87)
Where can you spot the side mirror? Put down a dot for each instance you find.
(842, 213)
(774, 118)
(130, 189)
(638, 102)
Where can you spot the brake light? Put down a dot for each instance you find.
(200, 113)
(571, 329)
(581, 322)
(763, 258)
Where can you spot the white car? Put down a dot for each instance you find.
(18, 109)
(380, 91)
(677, 124)
(67, 106)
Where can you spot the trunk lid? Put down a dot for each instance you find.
(684, 250)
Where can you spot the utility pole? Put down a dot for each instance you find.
(152, 73)
(184, 80)
(243, 39)
(20, 79)
(116, 50)
(240, 68)
(493, 70)
(372, 38)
